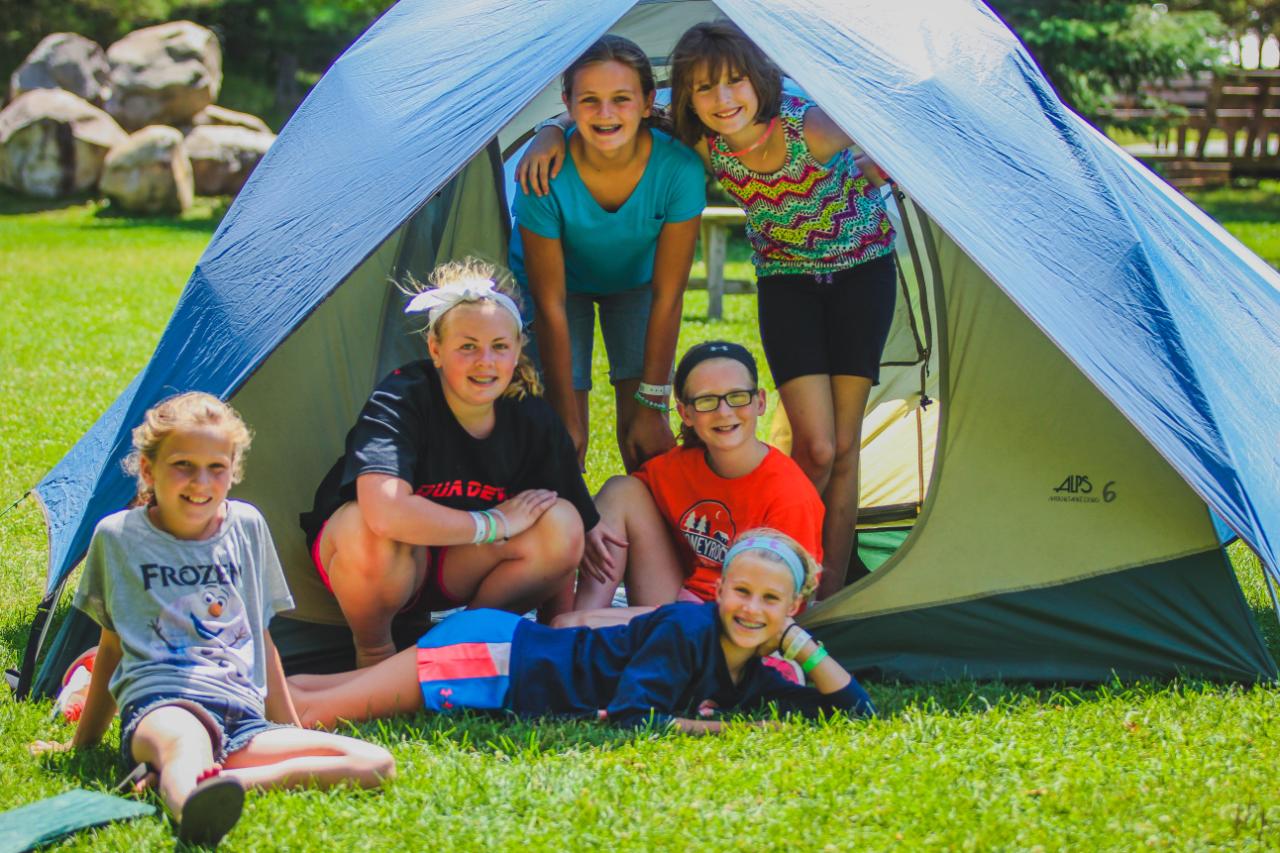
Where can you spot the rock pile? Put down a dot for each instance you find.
(66, 128)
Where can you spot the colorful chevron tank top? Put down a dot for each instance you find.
(806, 217)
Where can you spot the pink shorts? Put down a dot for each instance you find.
(431, 595)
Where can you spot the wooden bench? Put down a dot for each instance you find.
(1234, 102)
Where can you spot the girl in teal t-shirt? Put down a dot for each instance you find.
(616, 230)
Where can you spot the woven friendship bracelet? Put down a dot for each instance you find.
(646, 402)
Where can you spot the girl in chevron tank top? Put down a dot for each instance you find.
(823, 253)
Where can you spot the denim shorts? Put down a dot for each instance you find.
(231, 724)
(624, 320)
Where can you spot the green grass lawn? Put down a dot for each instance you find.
(958, 765)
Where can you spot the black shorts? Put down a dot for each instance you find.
(833, 325)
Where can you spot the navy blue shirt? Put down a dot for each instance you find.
(661, 665)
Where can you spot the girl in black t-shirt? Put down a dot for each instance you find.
(459, 485)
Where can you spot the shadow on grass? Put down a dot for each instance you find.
(96, 767)
(204, 218)
(495, 734)
(1245, 202)
(12, 204)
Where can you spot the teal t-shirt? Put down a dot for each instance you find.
(610, 252)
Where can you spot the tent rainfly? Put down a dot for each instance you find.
(1105, 358)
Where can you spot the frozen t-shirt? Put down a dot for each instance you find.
(611, 251)
(190, 613)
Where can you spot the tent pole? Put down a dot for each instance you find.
(39, 628)
(1269, 581)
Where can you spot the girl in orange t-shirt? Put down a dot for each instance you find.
(665, 529)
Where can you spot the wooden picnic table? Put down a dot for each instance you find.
(716, 223)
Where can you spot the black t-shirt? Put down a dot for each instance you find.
(407, 430)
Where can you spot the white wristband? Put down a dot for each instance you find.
(649, 390)
(481, 528)
(795, 643)
(506, 527)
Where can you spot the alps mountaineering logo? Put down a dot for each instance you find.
(1078, 488)
(709, 528)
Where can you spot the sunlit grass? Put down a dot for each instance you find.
(959, 765)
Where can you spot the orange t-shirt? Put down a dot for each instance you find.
(706, 512)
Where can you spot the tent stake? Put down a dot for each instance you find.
(10, 507)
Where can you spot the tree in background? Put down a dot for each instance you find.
(1260, 18)
(284, 40)
(104, 21)
(1095, 50)
(272, 49)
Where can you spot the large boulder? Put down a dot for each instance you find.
(149, 172)
(216, 115)
(53, 143)
(63, 61)
(222, 156)
(164, 74)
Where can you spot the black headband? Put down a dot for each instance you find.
(709, 350)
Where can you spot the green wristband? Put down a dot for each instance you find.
(645, 401)
(814, 659)
(490, 527)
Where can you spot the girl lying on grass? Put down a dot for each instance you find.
(669, 667)
(183, 587)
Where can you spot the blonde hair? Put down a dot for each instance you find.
(525, 380)
(185, 411)
(812, 570)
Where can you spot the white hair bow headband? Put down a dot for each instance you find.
(438, 301)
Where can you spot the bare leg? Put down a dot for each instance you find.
(373, 578)
(653, 572)
(583, 399)
(811, 412)
(560, 602)
(176, 743)
(841, 495)
(521, 574)
(311, 681)
(627, 408)
(293, 757)
(601, 618)
(382, 690)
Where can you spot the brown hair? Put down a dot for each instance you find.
(693, 357)
(719, 46)
(525, 380)
(612, 48)
(184, 411)
(812, 570)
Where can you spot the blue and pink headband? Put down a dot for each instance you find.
(774, 547)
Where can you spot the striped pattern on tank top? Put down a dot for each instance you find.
(807, 217)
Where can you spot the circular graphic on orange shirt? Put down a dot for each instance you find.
(709, 528)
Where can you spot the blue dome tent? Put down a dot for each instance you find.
(1106, 358)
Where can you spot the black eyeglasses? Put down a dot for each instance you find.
(711, 402)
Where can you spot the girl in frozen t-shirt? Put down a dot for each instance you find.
(183, 587)
(459, 485)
